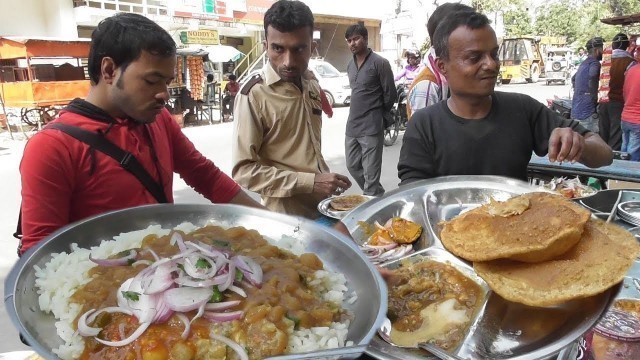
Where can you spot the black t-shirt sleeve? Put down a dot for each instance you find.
(417, 153)
(543, 121)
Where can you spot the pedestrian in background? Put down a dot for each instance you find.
(430, 86)
(373, 95)
(610, 106)
(630, 123)
(585, 86)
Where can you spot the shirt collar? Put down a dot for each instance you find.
(272, 77)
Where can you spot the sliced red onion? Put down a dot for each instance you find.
(242, 354)
(381, 247)
(176, 238)
(187, 299)
(206, 249)
(250, 268)
(221, 305)
(200, 312)
(238, 291)
(198, 273)
(158, 281)
(153, 253)
(136, 334)
(116, 262)
(231, 276)
(145, 307)
(110, 310)
(187, 324)
(187, 281)
(84, 329)
(175, 257)
(163, 312)
(142, 262)
(224, 316)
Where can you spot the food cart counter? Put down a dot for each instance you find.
(622, 170)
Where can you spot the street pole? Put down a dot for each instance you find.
(4, 111)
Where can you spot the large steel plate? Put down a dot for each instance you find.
(502, 329)
(336, 251)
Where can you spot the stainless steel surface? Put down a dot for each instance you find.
(502, 330)
(325, 209)
(614, 208)
(603, 201)
(442, 256)
(337, 252)
(630, 212)
(385, 333)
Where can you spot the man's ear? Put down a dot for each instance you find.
(108, 70)
(440, 66)
(264, 45)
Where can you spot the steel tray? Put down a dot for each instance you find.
(502, 329)
(336, 251)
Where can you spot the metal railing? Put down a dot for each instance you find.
(145, 7)
(254, 59)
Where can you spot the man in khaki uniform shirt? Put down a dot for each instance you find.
(277, 150)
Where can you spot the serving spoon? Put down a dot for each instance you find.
(385, 333)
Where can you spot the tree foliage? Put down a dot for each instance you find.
(517, 22)
(557, 19)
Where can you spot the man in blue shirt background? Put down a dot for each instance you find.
(585, 86)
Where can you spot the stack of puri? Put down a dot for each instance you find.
(540, 249)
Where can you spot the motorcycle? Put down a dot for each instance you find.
(397, 119)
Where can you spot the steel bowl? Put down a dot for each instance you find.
(501, 329)
(336, 251)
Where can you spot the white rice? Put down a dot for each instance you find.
(65, 273)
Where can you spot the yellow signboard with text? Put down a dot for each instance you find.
(201, 37)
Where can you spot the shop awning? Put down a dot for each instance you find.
(623, 20)
(223, 53)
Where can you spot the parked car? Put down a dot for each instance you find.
(334, 83)
(559, 65)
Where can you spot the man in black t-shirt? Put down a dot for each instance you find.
(478, 131)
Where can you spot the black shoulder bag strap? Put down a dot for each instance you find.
(124, 158)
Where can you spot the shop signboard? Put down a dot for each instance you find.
(202, 37)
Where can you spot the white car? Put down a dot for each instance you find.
(334, 83)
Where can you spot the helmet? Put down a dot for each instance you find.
(413, 53)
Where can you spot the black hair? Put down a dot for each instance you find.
(620, 41)
(442, 12)
(357, 29)
(288, 16)
(232, 77)
(123, 37)
(471, 19)
(593, 44)
(209, 77)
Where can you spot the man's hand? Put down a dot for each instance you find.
(565, 145)
(327, 184)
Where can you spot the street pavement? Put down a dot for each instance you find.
(214, 141)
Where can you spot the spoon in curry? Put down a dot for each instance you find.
(385, 333)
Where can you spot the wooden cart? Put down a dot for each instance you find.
(38, 76)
